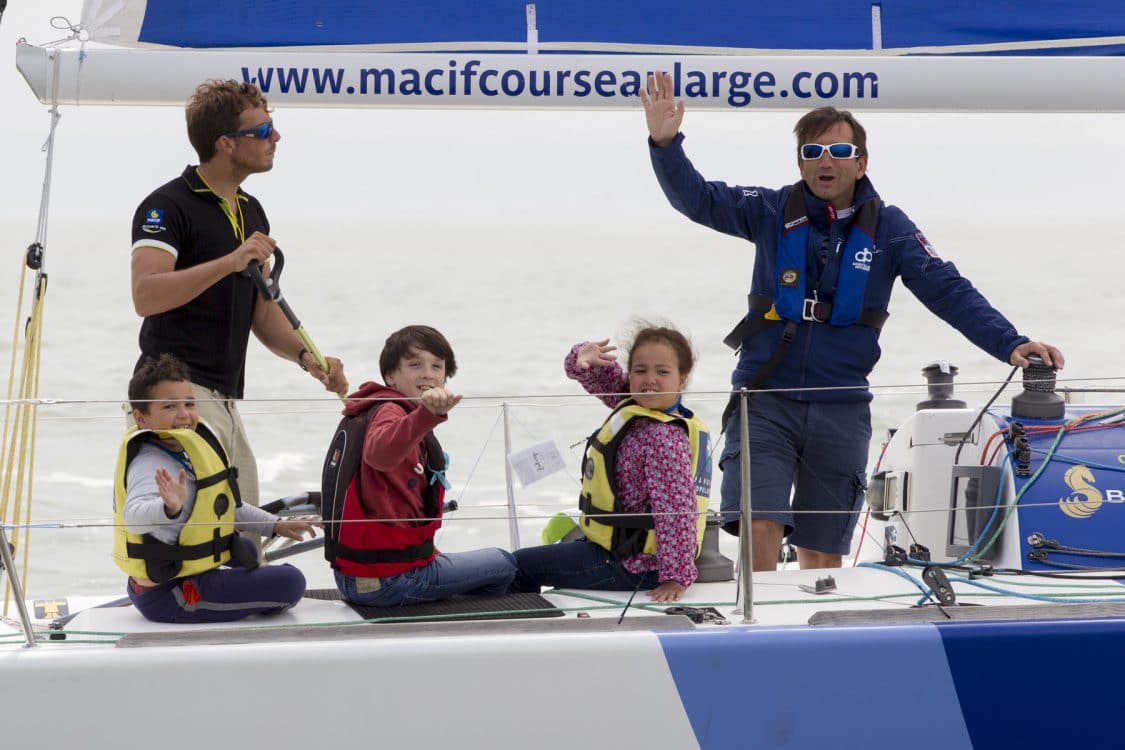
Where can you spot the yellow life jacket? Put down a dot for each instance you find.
(207, 537)
(601, 520)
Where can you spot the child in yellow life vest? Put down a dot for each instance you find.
(645, 476)
(178, 513)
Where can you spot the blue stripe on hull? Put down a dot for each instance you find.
(817, 688)
(1039, 684)
(943, 686)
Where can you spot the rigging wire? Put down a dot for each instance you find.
(17, 446)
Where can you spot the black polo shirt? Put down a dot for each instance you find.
(210, 332)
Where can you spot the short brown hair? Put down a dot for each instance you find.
(421, 338)
(213, 110)
(154, 371)
(819, 120)
(650, 334)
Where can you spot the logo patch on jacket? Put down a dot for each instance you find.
(789, 277)
(863, 260)
(925, 244)
(154, 221)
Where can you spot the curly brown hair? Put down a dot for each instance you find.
(153, 371)
(646, 333)
(213, 110)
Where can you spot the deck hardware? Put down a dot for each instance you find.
(698, 615)
(919, 552)
(35, 256)
(1022, 452)
(826, 585)
(983, 570)
(935, 578)
(894, 555)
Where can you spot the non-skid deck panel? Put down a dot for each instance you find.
(499, 607)
(236, 636)
(969, 613)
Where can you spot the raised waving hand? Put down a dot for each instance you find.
(595, 354)
(663, 114)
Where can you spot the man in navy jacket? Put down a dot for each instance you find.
(828, 254)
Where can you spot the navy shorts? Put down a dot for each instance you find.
(804, 456)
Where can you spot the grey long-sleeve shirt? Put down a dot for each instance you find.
(144, 509)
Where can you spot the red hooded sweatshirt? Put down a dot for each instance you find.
(392, 478)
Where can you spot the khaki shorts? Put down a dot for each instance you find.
(221, 415)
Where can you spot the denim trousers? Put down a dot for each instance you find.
(482, 571)
(580, 565)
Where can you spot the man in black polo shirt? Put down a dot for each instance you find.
(192, 239)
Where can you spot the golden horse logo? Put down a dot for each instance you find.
(1085, 500)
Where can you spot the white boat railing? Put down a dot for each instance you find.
(84, 507)
(17, 590)
(745, 538)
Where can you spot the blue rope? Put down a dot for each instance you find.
(1036, 597)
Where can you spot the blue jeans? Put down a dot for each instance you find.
(578, 565)
(814, 451)
(482, 571)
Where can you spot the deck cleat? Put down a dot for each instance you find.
(894, 555)
(983, 570)
(919, 552)
(826, 585)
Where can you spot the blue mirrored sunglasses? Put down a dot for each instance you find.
(262, 132)
(813, 151)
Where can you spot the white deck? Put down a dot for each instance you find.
(779, 601)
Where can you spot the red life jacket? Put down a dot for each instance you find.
(355, 544)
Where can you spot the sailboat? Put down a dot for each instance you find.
(796, 659)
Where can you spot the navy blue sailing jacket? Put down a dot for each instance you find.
(823, 355)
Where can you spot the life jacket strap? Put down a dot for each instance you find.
(219, 476)
(763, 373)
(814, 311)
(369, 556)
(151, 549)
(609, 518)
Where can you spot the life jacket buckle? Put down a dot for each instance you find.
(814, 312)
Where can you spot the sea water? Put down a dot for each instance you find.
(516, 246)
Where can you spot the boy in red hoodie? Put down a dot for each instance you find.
(382, 551)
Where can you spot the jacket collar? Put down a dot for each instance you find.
(818, 209)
